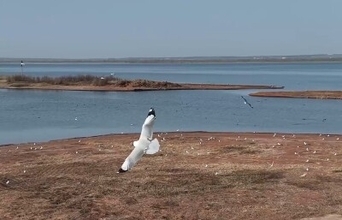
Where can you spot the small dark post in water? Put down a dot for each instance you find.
(21, 65)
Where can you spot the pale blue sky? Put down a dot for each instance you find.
(156, 28)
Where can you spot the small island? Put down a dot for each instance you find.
(110, 83)
(314, 94)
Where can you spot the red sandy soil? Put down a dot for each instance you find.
(196, 175)
(300, 94)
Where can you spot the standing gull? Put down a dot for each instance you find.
(21, 66)
(145, 144)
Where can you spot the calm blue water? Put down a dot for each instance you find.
(45, 115)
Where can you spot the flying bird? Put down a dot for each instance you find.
(246, 102)
(145, 144)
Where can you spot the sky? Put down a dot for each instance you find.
(177, 28)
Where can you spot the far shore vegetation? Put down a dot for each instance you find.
(79, 80)
(111, 83)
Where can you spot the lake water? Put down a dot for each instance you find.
(44, 115)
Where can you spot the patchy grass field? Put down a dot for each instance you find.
(196, 175)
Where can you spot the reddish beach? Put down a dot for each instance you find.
(196, 175)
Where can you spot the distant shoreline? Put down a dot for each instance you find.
(183, 86)
(110, 84)
(313, 94)
(188, 60)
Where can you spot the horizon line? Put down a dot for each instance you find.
(175, 57)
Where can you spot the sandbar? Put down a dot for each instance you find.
(314, 94)
(93, 83)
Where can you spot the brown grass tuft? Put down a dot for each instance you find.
(23, 80)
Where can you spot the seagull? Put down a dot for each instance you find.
(246, 102)
(303, 175)
(145, 144)
(21, 66)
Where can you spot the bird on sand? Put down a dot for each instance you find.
(145, 144)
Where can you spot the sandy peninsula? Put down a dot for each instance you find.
(110, 83)
(300, 94)
(196, 175)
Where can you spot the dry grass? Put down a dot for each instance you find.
(232, 178)
(109, 83)
(24, 80)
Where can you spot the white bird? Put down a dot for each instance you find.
(271, 165)
(22, 63)
(303, 175)
(145, 144)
